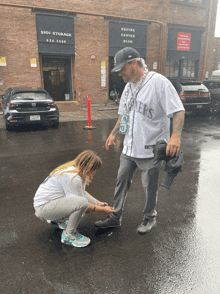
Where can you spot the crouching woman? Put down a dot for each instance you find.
(62, 198)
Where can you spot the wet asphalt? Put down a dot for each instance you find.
(181, 255)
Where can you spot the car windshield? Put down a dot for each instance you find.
(30, 96)
(190, 83)
(210, 85)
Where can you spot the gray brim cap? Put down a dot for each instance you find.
(122, 56)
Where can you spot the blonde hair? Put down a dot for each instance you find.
(86, 164)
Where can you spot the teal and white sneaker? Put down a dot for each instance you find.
(75, 239)
(61, 223)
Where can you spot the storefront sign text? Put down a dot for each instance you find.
(55, 34)
(123, 34)
(127, 37)
(183, 41)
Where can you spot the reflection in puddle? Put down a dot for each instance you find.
(89, 137)
(207, 211)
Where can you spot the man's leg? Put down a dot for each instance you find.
(149, 177)
(126, 172)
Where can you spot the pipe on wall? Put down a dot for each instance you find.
(207, 38)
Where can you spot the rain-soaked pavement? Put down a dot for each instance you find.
(180, 256)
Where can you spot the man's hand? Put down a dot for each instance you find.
(111, 137)
(110, 141)
(173, 145)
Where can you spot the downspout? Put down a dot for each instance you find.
(207, 39)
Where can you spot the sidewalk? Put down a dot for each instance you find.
(98, 112)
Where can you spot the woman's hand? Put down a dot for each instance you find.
(99, 203)
(100, 208)
(108, 209)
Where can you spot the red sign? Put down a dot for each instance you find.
(183, 41)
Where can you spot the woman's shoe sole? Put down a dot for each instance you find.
(74, 245)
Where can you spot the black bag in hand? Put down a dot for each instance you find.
(173, 164)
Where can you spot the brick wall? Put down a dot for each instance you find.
(18, 43)
(153, 43)
(91, 38)
(18, 38)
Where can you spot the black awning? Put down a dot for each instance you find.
(55, 34)
(127, 34)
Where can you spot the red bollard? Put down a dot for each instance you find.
(89, 127)
(89, 111)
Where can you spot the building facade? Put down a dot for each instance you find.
(68, 47)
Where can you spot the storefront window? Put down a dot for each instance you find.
(182, 68)
(172, 68)
(189, 68)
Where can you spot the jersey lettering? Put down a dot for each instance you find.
(143, 109)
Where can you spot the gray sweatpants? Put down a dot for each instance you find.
(149, 177)
(72, 208)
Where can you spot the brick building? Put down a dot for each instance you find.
(216, 54)
(68, 47)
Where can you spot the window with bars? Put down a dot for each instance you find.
(189, 68)
(172, 68)
(185, 68)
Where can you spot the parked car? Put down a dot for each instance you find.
(214, 89)
(29, 106)
(194, 95)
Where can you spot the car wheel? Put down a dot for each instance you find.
(55, 124)
(7, 127)
(215, 106)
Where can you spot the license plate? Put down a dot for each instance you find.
(34, 117)
(199, 106)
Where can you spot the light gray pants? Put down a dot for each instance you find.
(149, 177)
(72, 208)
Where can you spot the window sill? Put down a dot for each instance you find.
(188, 4)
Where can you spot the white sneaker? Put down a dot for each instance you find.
(146, 226)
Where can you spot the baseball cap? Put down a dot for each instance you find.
(124, 55)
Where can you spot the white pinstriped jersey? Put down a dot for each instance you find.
(149, 118)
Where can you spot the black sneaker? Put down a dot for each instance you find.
(108, 223)
(146, 226)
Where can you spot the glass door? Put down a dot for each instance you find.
(57, 77)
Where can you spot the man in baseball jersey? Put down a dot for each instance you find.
(147, 103)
